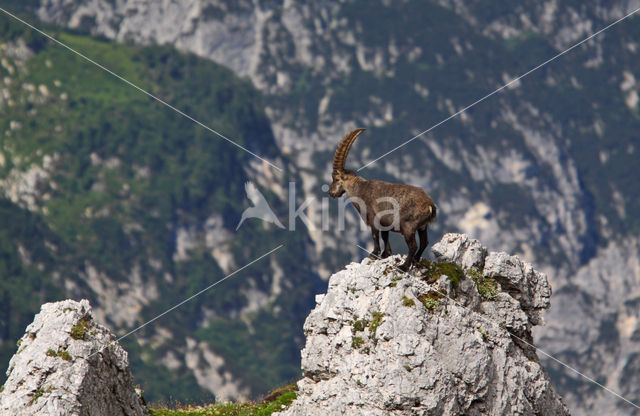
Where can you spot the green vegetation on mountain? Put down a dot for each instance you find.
(24, 285)
(276, 401)
(125, 174)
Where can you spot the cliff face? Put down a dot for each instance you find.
(450, 338)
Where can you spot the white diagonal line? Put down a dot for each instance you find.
(138, 88)
(501, 88)
(513, 335)
(185, 301)
(197, 294)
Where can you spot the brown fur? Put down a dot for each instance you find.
(416, 208)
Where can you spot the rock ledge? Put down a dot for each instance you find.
(383, 343)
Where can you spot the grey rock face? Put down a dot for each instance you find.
(461, 249)
(67, 364)
(380, 342)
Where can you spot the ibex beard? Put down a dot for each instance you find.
(384, 206)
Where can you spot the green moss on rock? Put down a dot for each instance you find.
(407, 301)
(357, 342)
(487, 286)
(64, 354)
(431, 301)
(375, 323)
(483, 332)
(359, 325)
(79, 330)
(432, 270)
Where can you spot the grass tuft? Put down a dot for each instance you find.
(359, 325)
(375, 323)
(487, 286)
(483, 332)
(395, 280)
(431, 301)
(407, 301)
(432, 270)
(275, 394)
(79, 330)
(372, 325)
(357, 342)
(64, 354)
(228, 409)
(38, 393)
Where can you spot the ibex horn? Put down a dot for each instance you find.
(343, 149)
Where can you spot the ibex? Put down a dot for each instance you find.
(384, 206)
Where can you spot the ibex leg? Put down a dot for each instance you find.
(424, 242)
(387, 247)
(413, 246)
(376, 244)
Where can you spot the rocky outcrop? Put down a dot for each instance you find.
(451, 338)
(67, 364)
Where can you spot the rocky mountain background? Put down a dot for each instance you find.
(544, 169)
(113, 198)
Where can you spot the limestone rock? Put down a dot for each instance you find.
(381, 342)
(527, 285)
(461, 249)
(67, 364)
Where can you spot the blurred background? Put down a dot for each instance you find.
(108, 195)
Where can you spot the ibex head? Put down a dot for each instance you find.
(343, 178)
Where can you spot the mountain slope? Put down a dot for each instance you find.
(545, 168)
(326, 66)
(109, 195)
